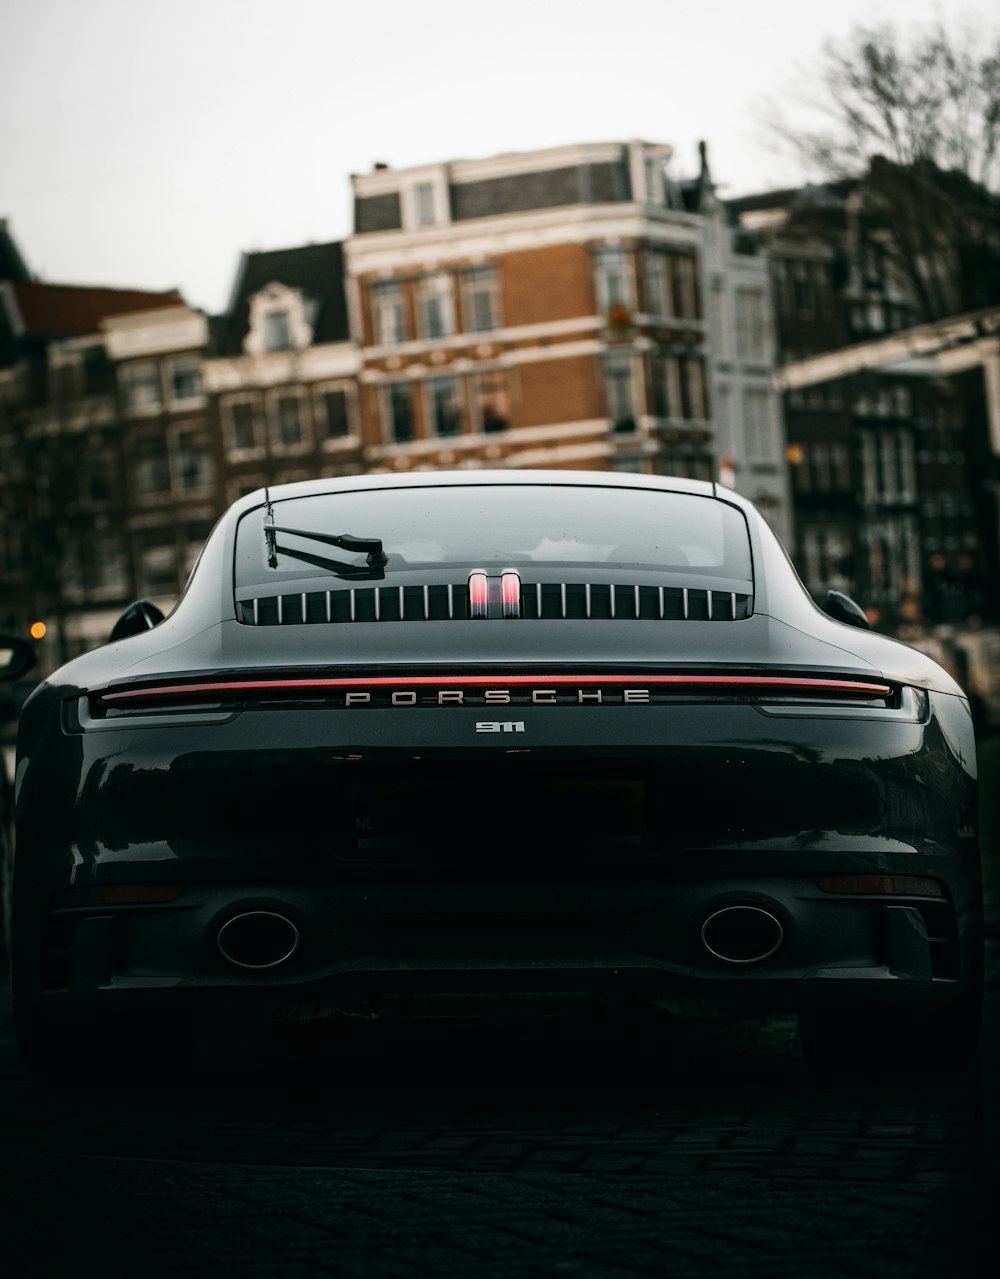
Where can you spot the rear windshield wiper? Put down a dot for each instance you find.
(369, 546)
(346, 541)
(358, 572)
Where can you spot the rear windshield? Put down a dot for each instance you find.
(500, 526)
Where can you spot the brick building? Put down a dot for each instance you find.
(553, 308)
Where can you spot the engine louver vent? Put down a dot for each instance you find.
(540, 600)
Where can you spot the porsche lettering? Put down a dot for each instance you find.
(497, 697)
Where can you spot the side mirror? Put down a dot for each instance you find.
(16, 656)
(844, 609)
(138, 617)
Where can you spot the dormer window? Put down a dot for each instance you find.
(279, 321)
(277, 334)
(423, 200)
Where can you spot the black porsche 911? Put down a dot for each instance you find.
(497, 735)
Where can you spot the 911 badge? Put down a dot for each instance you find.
(499, 725)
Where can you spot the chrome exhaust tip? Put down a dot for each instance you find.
(257, 939)
(742, 933)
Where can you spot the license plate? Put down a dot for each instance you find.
(564, 809)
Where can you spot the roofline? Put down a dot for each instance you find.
(238, 279)
(15, 253)
(8, 300)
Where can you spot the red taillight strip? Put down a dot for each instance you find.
(777, 684)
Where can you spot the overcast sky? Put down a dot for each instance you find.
(146, 143)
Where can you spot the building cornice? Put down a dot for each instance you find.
(401, 252)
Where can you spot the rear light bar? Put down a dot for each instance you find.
(761, 686)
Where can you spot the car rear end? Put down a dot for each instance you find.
(525, 756)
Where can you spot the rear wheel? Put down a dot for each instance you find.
(851, 1039)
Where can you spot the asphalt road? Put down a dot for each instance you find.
(510, 1149)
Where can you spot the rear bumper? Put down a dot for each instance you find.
(271, 812)
(740, 944)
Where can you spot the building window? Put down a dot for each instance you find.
(821, 462)
(620, 392)
(334, 414)
(141, 384)
(678, 385)
(436, 307)
(184, 379)
(423, 201)
(491, 401)
(803, 289)
(389, 313)
(684, 279)
(614, 281)
(660, 398)
(192, 465)
(158, 570)
(656, 280)
(760, 442)
(751, 332)
(243, 427)
(398, 413)
(443, 409)
(871, 261)
(92, 481)
(782, 285)
(150, 466)
(277, 331)
(480, 307)
(108, 565)
(826, 553)
(840, 467)
(888, 466)
(13, 548)
(670, 285)
(287, 430)
(694, 389)
(822, 468)
(875, 317)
